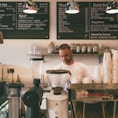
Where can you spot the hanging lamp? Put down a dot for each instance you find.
(72, 7)
(112, 7)
(30, 7)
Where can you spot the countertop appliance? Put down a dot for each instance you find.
(3, 92)
(14, 100)
(37, 67)
(33, 99)
(57, 100)
(3, 100)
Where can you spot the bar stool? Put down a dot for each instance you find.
(92, 102)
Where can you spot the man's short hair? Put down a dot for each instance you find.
(64, 46)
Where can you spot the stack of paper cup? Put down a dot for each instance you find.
(98, 75)
(115, 66)
(107, 67)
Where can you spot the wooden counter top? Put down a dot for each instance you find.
(95, 86)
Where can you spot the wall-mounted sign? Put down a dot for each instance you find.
(91, 23)
(17, 25)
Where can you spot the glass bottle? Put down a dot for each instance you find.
(83, 49)
(89, 48)
(73, 47)
(95, 48)
(78, 48)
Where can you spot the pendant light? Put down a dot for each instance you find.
(30, 7)
(112, 7)
(72, 7)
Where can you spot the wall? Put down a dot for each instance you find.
(13, 53)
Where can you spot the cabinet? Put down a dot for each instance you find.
(97, 93)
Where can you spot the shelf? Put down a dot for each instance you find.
(75, 54)
(41, 54)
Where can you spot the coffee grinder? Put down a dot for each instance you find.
(57, 100)
(33, 99)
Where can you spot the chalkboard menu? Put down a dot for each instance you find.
(91, 23)
(17, 25)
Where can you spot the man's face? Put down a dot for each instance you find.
(66, 56)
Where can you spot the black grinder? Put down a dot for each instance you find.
(32, 99)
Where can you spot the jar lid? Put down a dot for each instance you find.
(57, 71)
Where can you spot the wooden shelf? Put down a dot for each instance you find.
(75, 54)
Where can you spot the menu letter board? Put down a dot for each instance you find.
(92, 22)
(18, 25)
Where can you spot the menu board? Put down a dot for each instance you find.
(92, 22)
(18, 25)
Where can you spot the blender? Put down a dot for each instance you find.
(57, 100)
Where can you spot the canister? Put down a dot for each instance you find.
(36, 67)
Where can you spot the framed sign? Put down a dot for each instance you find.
(17, 25)
(91, 23)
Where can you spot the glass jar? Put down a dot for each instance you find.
(78, 48)
(89, 48)
(83, 48)
(73, 47)
(50, 49)
(37, 67)
(95, 48)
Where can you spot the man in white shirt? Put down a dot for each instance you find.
(79, 71)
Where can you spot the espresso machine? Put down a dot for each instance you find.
(57, 100)
(33, 99)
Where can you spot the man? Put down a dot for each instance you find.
(79, 71)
